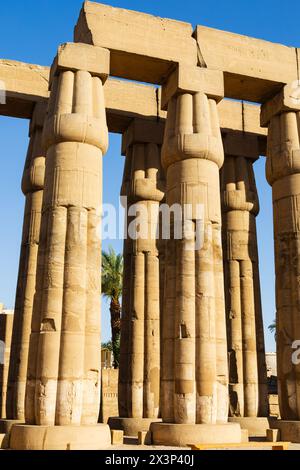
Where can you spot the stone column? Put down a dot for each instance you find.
(63, 380)
(194, 358)
(282, 116)
(248, 391)
(143, 186)
(6, 324)
(32, 187)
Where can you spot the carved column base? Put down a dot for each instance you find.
(256, 426)
(27, 437)
(289, 430)
(181, 435)
(6, 424)
(131, 426)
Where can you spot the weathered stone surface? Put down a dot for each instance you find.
(127, 100)
(63, 377)
(89, 437)
(289, 430)
(117, 437)
(194, 312)
(25, 84)
(273, 435)
(187, 434)
(254, 69)
(143, 185)
(109, 394)
(193, 80)
(247, 366)
(77, 57)
(274, 405)
(283, 174)
(32, 186)
(63, 380)
(256, 426)
(124, 101)
(143, 47)
(240, 116)
(251, 146)
(286, 101)
(6, 324)
(132, 426)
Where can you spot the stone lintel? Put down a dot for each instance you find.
(288, 99)
(127, 100)
(143, 47)
(254, 69)
(147, 48)
(24, 85)
(27, 84)
(72, 56)
(143, 131)
(243, 144)
(192, 80)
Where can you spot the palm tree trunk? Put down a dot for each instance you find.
(115, 321)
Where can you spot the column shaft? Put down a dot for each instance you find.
(32, 186)
(247, 380)
(282, 115)
(140, 326)
(6, 326)
(64, 372)
(194, 376)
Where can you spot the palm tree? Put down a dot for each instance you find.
(272, 328)
(112, 277)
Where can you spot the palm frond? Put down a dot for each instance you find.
(112, 274)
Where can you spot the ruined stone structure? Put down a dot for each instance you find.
(192, 344)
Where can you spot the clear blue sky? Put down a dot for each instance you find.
(31, 31)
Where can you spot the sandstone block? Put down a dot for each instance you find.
(288, 99)
(109, 394)
(143, 47)
(192, 80)
(253, 69)
(117, 437)
(144, 438)
(273, 435)
(78, 57)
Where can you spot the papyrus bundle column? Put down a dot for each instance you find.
(194, 358)
(143, 186)
(240, 206)
(282, 115)
(63, 382)
(32, 187)
(6, 325)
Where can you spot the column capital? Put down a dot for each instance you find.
(238, 188)
(81, 57)
(143, 131)
(242, 144)
(186, 79)
(288, 99)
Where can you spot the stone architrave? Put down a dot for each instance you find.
(64, 376)
(32, 187)
(194, 370)
(282, 116)
(240, 206)
(143, 186)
